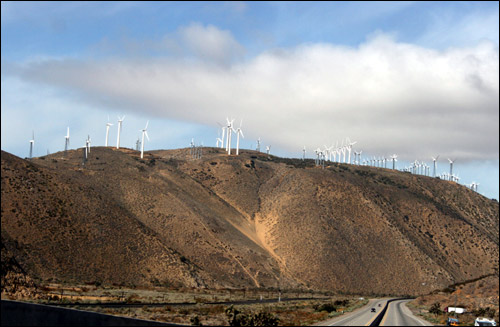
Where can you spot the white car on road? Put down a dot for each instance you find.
(484, 322)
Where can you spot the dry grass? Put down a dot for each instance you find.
(289, 313)
(293, 313)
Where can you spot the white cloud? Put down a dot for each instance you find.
(390, 97)
(209, 42)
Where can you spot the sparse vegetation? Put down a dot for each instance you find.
(436, 309)
(172, 221)
(237, 318)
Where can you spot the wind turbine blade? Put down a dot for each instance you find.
(147, 125)
(146, 133)
(243, 136)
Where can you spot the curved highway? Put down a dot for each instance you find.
(399, 315)
(360, 317)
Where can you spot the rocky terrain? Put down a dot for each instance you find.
(248, 221)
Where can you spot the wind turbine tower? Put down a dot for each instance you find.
(238, 132)
(304, 153)
(223, 134)
(349, 148)
(108, 124)
(434, 162)
(32, 144)
(137, 144)
(451, 166)
(344, 147)
(120, 120)
(66, 145)
(144, 132)
(88, 143)
(393, 157)
(229, 130)
(318, 151)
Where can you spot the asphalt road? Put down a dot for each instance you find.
(360, 317)
(399, 315)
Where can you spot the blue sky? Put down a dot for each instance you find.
(413, 78)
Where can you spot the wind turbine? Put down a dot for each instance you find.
(32, 143)
(66, 145)
(393, 157)
(120, 120)
(355, 158)
(318, 151)
(223, 133)
(304, 153)
(88, 143)
(218, 139)
(84, 153)
(238, 132)
(229, 130)
(144, 132)
(451, 166)
(330, 152)
(137, 144)
(268, 148)
(258, 145)
(434, 161)
(344, 147)
(349, 148)
(108, 124)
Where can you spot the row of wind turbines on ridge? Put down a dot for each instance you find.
(227, 131)
(340, 154)
(416, 167)
(88, 140)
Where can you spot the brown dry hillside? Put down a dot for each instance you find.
(246, 221)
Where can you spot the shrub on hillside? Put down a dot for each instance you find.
(238, 318)
(328, 307)
(436, 308)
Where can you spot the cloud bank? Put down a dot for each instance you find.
(390, 97)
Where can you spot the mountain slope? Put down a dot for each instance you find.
(246, 221)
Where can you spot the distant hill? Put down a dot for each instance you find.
(241, 221)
